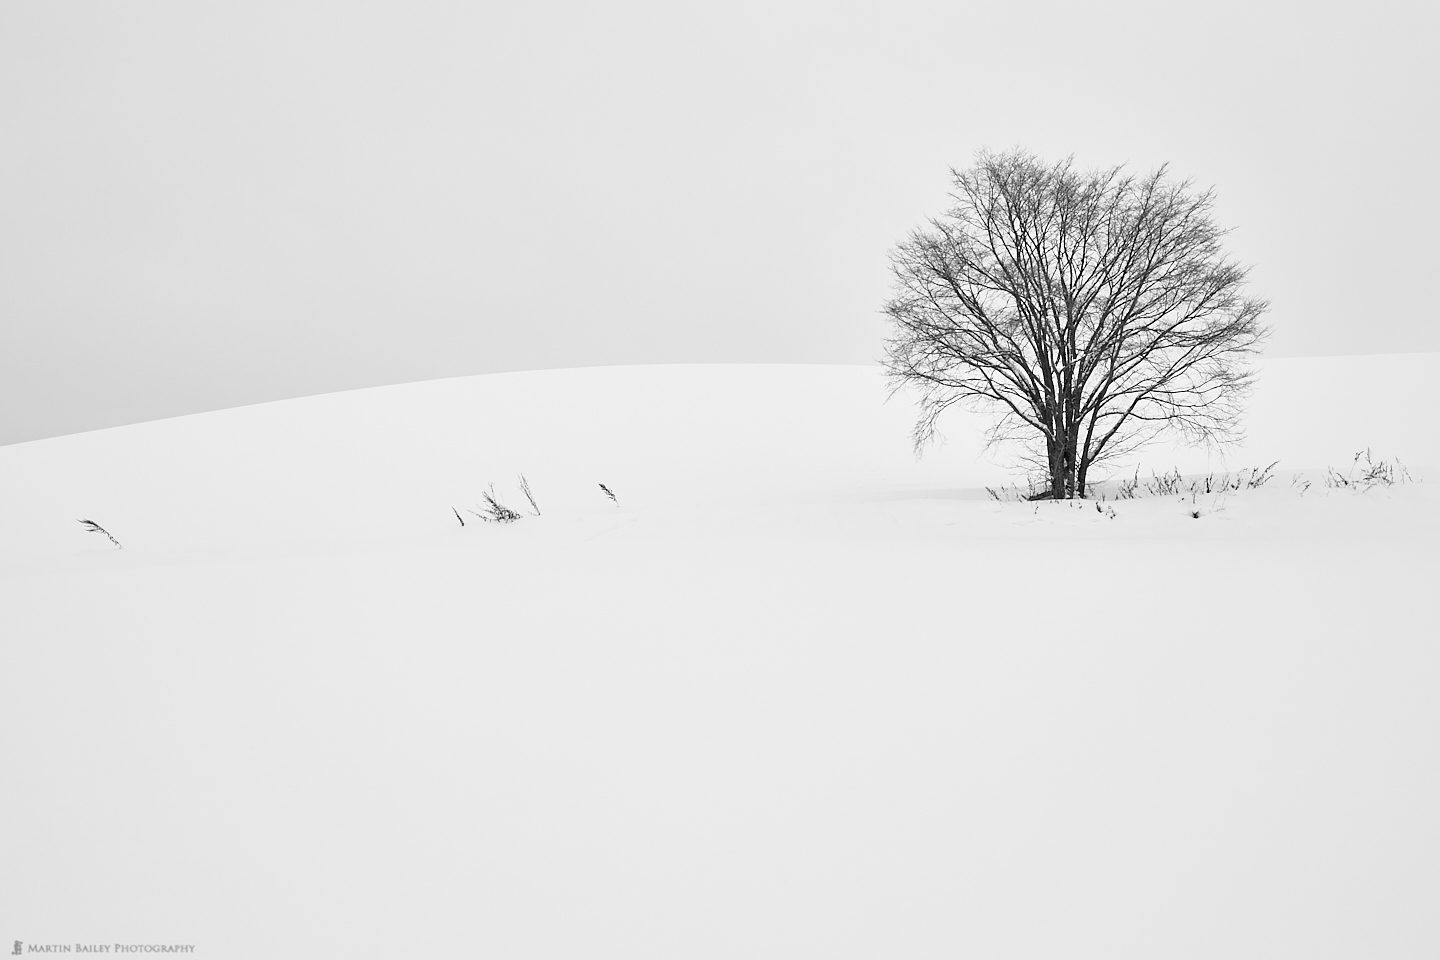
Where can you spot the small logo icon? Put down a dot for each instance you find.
(16, 951)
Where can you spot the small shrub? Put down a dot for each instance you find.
(493, 511)
(611, 494)
(1128, 488)
(1035, 488)
(1172, 483)
(1010, 494)
(1165, 484)
(1258, 478)
(1366, 473)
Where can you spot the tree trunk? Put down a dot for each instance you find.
(1066, 476)
(1071, 440)
(1056, 455)
(1065, 467)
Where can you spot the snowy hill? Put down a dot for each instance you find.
(795, 694)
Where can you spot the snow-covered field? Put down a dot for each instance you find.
(797, 695)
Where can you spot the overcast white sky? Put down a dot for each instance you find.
(206, 204)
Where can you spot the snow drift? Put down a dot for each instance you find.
(795, 694)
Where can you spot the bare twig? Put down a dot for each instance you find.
(93, 527)
(529, 495)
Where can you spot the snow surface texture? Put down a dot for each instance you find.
(795, 694)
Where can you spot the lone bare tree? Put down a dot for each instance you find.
(1089, 310)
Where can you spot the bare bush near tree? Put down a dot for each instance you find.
(1089, 310)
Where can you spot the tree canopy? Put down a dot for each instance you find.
(1089, 310)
